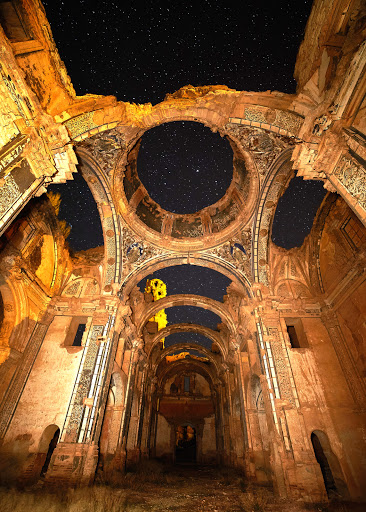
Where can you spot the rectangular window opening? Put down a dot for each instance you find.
(296, 333)
(294, 340)
(186, 384)
(79, 335)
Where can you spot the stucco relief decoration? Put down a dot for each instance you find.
(84, 384)
(274, 117)
(236, 252)
(9, 129)
(281, 366)
(263, 145)
(135, 252)
(11, 154)
(106, 148)
(16, 97)
(220, 221)
(76, 126)
(73, 288)
(9, 193)
(265, 214)
(111, 250)
(353, 178)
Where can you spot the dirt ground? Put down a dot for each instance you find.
(160, 489)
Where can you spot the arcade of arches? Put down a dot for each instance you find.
(278, 389)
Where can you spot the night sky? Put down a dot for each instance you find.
(139, 52)
(80, 211)
(296, 211)
(185, 166)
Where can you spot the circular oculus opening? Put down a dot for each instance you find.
(184, 166)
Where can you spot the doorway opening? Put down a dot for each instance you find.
(329, 482)
(185, 444)
(50, 451)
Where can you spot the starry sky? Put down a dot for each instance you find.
(139, 52)
(185, 166)
(295, 212)
(80, 211)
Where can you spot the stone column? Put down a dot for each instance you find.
(121, 452)
(75, 457)
(292, 462)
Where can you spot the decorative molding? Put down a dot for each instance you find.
(353, 178)
(270, 193)
(281, 365)
(272, 119)
(82, 385)
(80, 124)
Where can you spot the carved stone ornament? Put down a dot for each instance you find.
(106, 147)
(136, 252)
(263, 145)
(353, 178)
(237, 252)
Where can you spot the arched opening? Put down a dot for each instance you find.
(79, 209)
(185, 444)
(48, 444)
(139, 274)
(191, 279)
(193, 314)
(295, 212)
(329, 466)
(188, 337)
(186, 411)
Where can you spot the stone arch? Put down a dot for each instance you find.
(99, 187)
(334, 480)
(213, 106)
(186, 300)
(205, 331)
(318, 226)
(187, 346)
(273, 186)
(140, 271)
(163, 436)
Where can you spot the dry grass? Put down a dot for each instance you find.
(154, 487)
(91, 499)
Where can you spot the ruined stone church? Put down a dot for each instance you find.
(86, 383)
